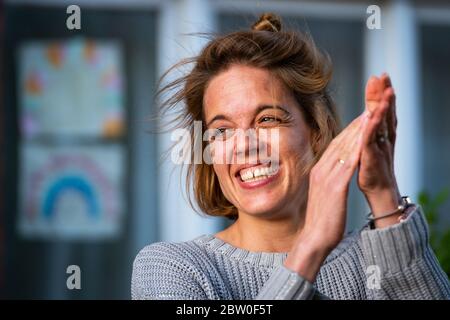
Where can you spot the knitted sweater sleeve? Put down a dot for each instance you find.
(398, 262)
(172, 276)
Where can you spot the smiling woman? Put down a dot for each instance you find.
(259, 187)
(287, 239)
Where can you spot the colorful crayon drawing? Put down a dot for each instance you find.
(72, 87)
(71, 192)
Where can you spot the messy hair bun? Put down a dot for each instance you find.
(267, 22)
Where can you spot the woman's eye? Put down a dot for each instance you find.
(268, 119)
(222, 133)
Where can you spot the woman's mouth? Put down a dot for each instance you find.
(257, 175)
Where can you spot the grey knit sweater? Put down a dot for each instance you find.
(391, 263)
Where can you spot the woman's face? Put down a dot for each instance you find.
(245, 98)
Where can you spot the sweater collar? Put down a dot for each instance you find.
(216, 245)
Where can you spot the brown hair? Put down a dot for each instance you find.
(291, 56)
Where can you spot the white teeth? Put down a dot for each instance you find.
(258, 173)
(247, 175)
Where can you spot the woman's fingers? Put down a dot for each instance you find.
(386, 84)
(373, 93)
(387, 128)
(349, 142)
(391, 117)
(349, 152)
(345, 150)
(337, 140)
(386, 79)
(342, 146)
(374, 125)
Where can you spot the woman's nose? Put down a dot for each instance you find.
(256, 146)
(246, 146)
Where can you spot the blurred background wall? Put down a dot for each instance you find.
(83, 182)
